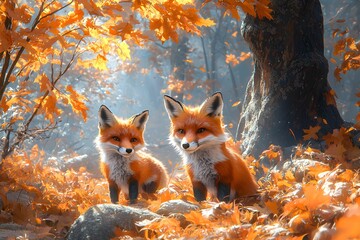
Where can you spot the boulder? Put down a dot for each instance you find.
(104, 220)
(176, 207)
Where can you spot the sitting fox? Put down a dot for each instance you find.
(124, 165)
(198, 134)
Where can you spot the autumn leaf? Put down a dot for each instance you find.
(351, 44)
(123, 51)
(236, 215)
(263, 10)
(202, 69)
(3, 104)
(314, 197)
(337, 151)
(311, 133)
(49, 107)
(43, 82)
(237, 103)
(100, 62)
(244, 56)
(196, 218)
(339, 47)
(232, 59)
(347, 227)
(205, 22)
(272, 206)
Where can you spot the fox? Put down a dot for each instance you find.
(123, 162)
(198, 134)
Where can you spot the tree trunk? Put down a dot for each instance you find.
(288, 91)
(178, 63)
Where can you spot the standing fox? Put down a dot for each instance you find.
(198, 134)
(124, 165)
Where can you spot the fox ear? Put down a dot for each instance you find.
(172, 106)
(140, 120)
(213, 105)
(106, 117)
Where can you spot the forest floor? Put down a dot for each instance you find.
(308, 195)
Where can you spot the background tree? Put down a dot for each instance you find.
(288, 91)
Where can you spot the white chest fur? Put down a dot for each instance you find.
(120, 171)
(203, 163)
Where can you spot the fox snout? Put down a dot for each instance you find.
(189, 146)
(125, 151)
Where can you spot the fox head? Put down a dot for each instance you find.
(123, 136)
(194, 128)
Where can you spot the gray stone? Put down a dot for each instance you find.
(21, 196)
(176, 206)
(100, 221)
(300, 167)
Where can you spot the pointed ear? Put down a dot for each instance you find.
(173, 107)
(106, 117)
(213, 105)
(140, 120)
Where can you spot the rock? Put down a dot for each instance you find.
(300, 167)
(23, 197)
(30, 232)
(324, 233)
(176, 209)
(176, 206)
(13, 230)
(101, 221)
(12, 226)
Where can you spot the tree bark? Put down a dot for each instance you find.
(288, 91)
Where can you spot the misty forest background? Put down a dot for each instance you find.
(191, 70)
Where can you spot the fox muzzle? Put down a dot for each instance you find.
(189, 146)
(126, 152)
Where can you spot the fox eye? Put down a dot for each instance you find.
(181, 131)
(201, 130)
(116, 139)
(133, 140)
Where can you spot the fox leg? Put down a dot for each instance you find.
(114, 192)
(200, 191)
(223, 192)
(133, 190)
(149, 187)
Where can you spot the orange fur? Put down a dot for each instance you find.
(120, 168)
(206, 154)
(235, 171)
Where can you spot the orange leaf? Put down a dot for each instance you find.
(273, 206)
(236, 215)
(49, 107)
(3, 104)
(196, 218)
(236, 103)
(311, 133)
(337, 151)
(202, 22)
(248, 8)
(231, 58)
(38, 221)
(339, 47)
(347, 227)
(44, 82)
(100, 62)
(314, 197)
(76, 101)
